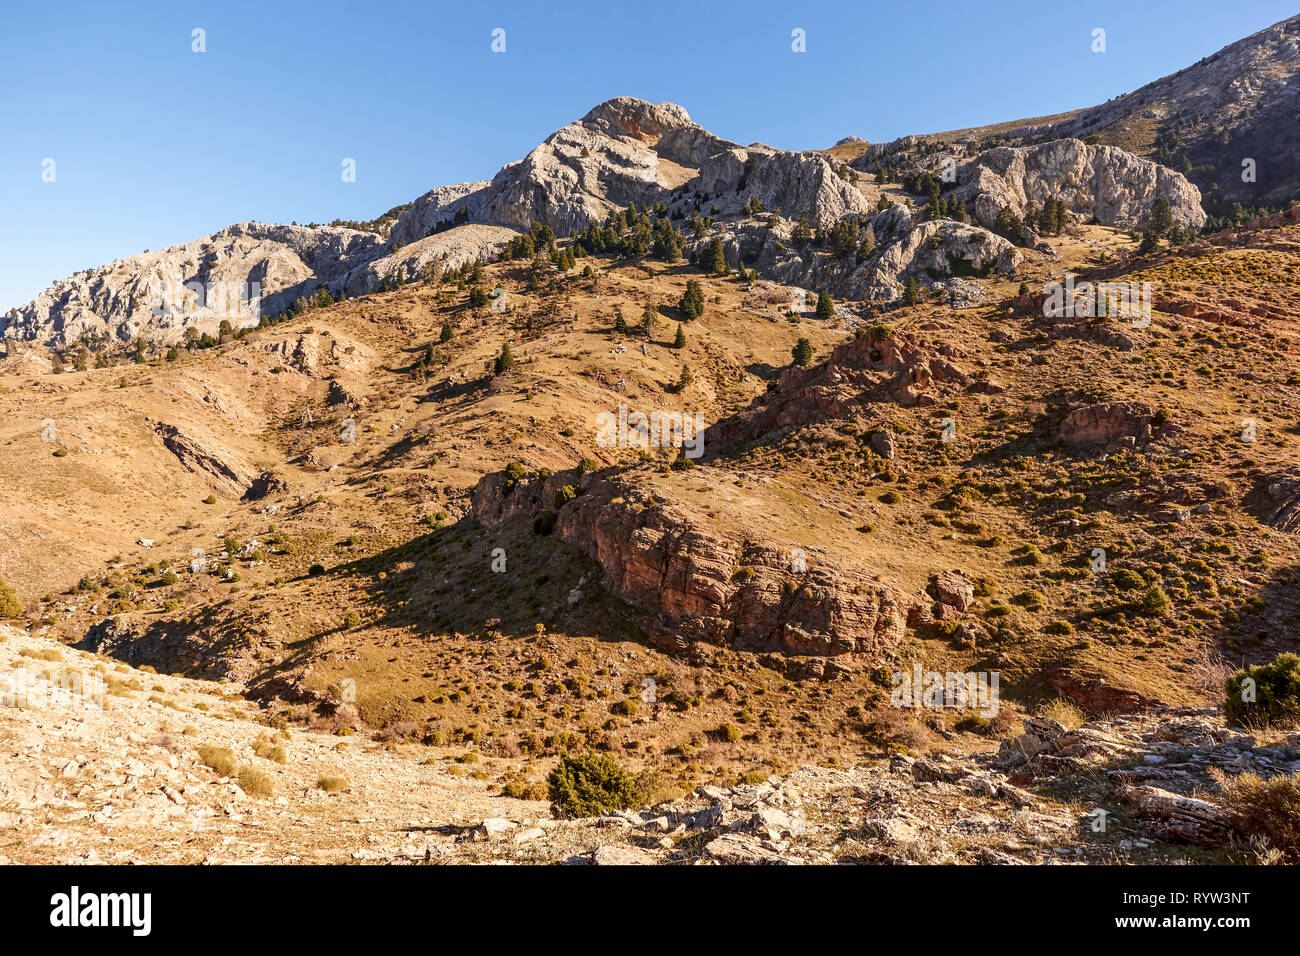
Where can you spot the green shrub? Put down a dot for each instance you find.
(564, 496)
(1030, 600)
(514, 473)
(588, 785)
(1127, 580)
(1276, 689)
(10, 606)
(1155, 602)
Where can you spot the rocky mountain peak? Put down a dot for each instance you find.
(636, 118)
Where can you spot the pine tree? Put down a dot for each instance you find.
(802, 352)
(620, 323)
(1009, 226)
(684, 379)
(715, 260)
(912, 294)
(648, 321)
(680, 341)
(447, 331)
(1162, 217)
(505, 361)
(825, 307)
(692, 301)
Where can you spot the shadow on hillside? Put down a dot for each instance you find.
(469, 579)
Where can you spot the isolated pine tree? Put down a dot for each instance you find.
(802, 352)
(648, 321)
(715, 260)
(825, 307)
(447, 331)
(692, 302)
(505, 361)
(680, 341)
(1162, 217)
(911, 295)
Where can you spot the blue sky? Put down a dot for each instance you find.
(155, 144)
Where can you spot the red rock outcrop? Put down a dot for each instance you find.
(874, 367)
(704, 582)
(1105, 423)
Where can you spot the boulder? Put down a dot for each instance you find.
(1105, 423)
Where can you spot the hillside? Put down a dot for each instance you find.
(1206, 120)
(370, 561)
(675, 458)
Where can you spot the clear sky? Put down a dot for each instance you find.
(154, 144)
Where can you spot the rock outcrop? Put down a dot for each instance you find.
(1282, 489)
(235, 275)
(880, 365)
(217, 466)
(1107, 422)
(938, 254)
(703, 582)
(1104, 183)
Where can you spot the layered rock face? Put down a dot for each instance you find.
(869, 369)
(1239, 103)
(703, 582)
(242, 271)
(219, 466)
(624, 151)
(939, 254)
(1102, 182)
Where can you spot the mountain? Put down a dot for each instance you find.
(624, 152)
(743, 505)
(1205, 121)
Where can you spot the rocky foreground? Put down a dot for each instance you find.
(133, 782)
